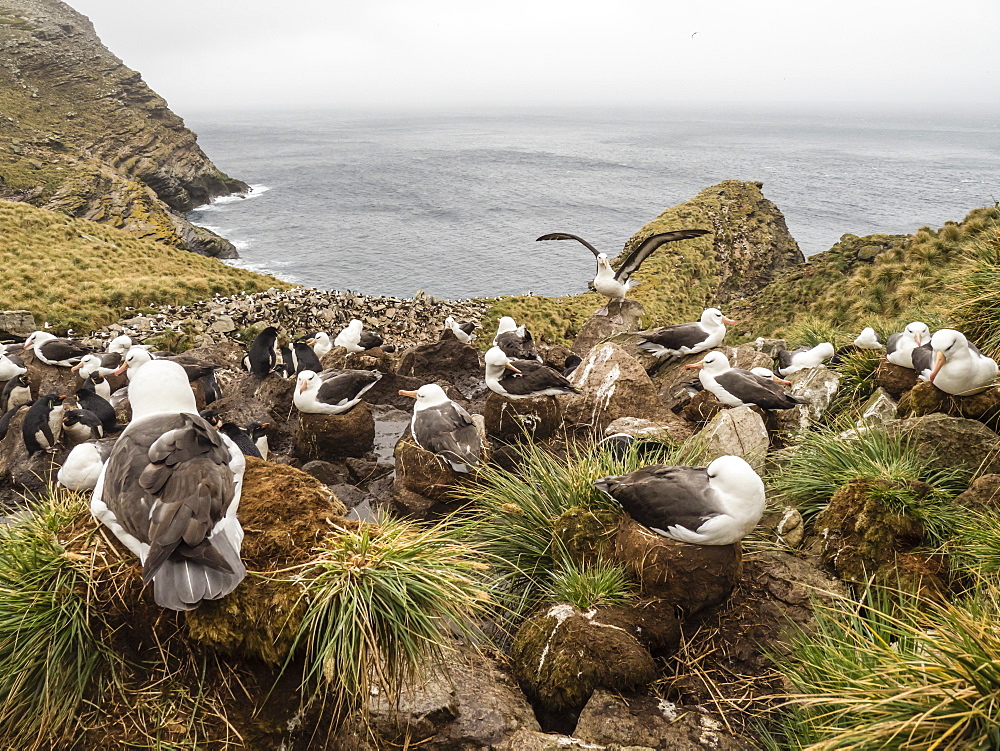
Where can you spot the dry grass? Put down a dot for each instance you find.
(81, 275)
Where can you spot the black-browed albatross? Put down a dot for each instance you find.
(332, 392)
(170, 492)
(735, 387)
(443, 427)
(615, 284)
(687, 338)
(523, 379)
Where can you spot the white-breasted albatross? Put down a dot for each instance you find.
(51, 350)
(714, 505)
(687, 338)
(523, 379)
(735, 387)
(959, 367)
(802, 358)
(900, 345)
(332, 392)
(443, 427)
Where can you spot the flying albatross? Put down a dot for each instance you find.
(735, 387)
(443, 427)
(714, 505)
(170, 491)
(615, 284)
(687, 338)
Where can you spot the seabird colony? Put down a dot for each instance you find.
(168, 484)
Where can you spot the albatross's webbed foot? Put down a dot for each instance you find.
(602, 312)
(618, 319)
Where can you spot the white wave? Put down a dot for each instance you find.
(241, 244)
(260, 268)
(254, 192)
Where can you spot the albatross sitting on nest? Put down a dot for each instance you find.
(687, 338)
(443, 427)
(523, 379)
(735, 387)
(714, 505)
(170, 491)
(959, 367)
(615, 284)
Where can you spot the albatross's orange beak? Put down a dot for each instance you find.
(121, 369)
(697, 365)
(511, 367)
(939, 361)
(76, 367)
(730, 321)
(411, 394)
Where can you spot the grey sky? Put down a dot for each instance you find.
(203, 54)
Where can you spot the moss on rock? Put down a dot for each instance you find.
(587, 535)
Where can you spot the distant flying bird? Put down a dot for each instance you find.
(614, 284)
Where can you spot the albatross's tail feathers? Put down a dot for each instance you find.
(181, 583)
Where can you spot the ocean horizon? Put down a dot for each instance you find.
(451, 203)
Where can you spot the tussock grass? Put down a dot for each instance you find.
(830, 457)
(976, 547)
(597, 585)
(897, 672)
(517, 517)
(977, 290)
(383, 601)
(82, 275)
(857, 382)
(51, 655)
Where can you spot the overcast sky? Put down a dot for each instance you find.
(207, 54)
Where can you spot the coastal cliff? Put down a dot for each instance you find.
(83, 134)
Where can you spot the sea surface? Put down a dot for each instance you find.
(451, 203)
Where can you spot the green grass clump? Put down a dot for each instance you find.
(518, 515)
(69, 271)
(597, 585)
(828, 458)
(51, 655)
(977, 313)
(383, 601)
(857, 381)
(976, 547)
(896, 672)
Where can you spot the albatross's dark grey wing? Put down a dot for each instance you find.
(168, 482)
(674, 337)
(785, 356)
(634, 259)
(62, 350)
(534, 379)
(448, 431)
(892, 344)
(567, 236)
(370, 340)
(515, 346)
(753, 389)
(660, 497)
(922, 357)
(340, 386)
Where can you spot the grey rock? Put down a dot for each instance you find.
(952, 442)
(598, 328)
(819, 386)
(770, 347)
(17, 323)
(879, 408)
(739, 431)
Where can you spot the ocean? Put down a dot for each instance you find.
(451, 204)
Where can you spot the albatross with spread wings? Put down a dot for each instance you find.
(614, 284)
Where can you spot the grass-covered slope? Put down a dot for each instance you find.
(942, 277)
(82, 133)
(78, 274)
(749, 244)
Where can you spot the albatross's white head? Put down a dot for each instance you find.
(713, 317)
(734, 478)
(714, 363)
(135, 358)
(120, 344)
(497, 362)
(306, 381)
(160, 386)
(427, 396)
(505, 324)
(918, 332)
(38, 337)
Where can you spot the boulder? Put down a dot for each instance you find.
(26, 475)
(285, 513)
(983, 494)
(819, 386)
(613, 384)
(863, 539)
(879, 408)
(925, 398)
(446, 360)
(894, 379)
(328, 473)
(638, 428)
(17, 324)
(467, 703)
(739, 431)
(586, 535)
(770, 347)
(532, 740)
(386, 391)
(333, 436)
(691, 577)
(598, 328)
(562, 655)
(49, 379)
(677, 386)
(784, 525)
(648, 722)
(339, 358)
(702, 407)
(952, 442)
(515, 420)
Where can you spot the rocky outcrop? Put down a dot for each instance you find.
(926, 398)
(948, 442)
(104, 147)
(739, 431)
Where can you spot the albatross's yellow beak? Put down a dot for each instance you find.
(121, 369)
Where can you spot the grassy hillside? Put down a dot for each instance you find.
(943, 277)
(82, 275)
